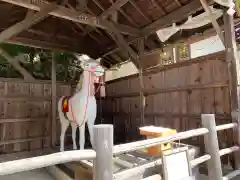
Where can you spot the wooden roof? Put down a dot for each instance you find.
(77, 28)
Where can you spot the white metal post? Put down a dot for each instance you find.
(212, 147)
(103, 145)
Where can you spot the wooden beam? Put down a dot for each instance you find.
(142, 97)
(81, 5)
(26, 75)
(27, 22)
(117, 5)
(68, 14)
(54, 102)
(233, 61)
(122, 43)
(214, 21)
(29, 13)
(175, 16)
(178, 15)
(139, 10)
(24, 41)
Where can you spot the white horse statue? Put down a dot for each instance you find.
(81, 108)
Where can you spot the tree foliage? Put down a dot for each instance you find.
(38, 63)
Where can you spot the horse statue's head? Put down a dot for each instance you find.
(92, 66)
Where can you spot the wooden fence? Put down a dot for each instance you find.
(25, 119)
(176, 95)
(104, 151)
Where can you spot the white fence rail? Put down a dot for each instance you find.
(104, 150)
(44, 161)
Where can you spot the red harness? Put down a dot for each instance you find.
(86, 105)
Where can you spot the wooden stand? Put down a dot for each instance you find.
(154, 132)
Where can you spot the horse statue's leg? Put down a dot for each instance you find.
(82, 136)
(64, 124)
(90, 123)
(74, 128)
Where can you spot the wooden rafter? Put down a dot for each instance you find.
(29, 13)
(159, 7)
(122, 43)
(27, 22)
(78, 17)
(16, 65)
(42, 44)
(129, 18)
(81, 5)
(139, 10)
(178, 15)
(47, 35)
(111, 35)
(214, 21)
(114, 14)
(114, 18)
(116, 6)
(178, 3)
(80, 26)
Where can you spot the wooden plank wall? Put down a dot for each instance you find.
(176, 96)
(25, 118)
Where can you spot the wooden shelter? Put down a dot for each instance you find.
(118, 30)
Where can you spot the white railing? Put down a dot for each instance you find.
(44, 161)
(104, 151)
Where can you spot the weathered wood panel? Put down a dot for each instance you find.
(25, 118)
(176, 96)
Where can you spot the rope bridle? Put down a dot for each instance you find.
(92, 70)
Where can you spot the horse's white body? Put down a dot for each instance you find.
(77, 115)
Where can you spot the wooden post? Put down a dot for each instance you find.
(142, 97)
(212, 147)
(103, 145)
(232, 59)
(54, 101)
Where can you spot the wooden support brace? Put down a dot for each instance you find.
(54, 102)
(214, 21)
(122, 43)
(142, 97)
(27, 22)
(26, 75)
(29, 14)
(117, 5)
